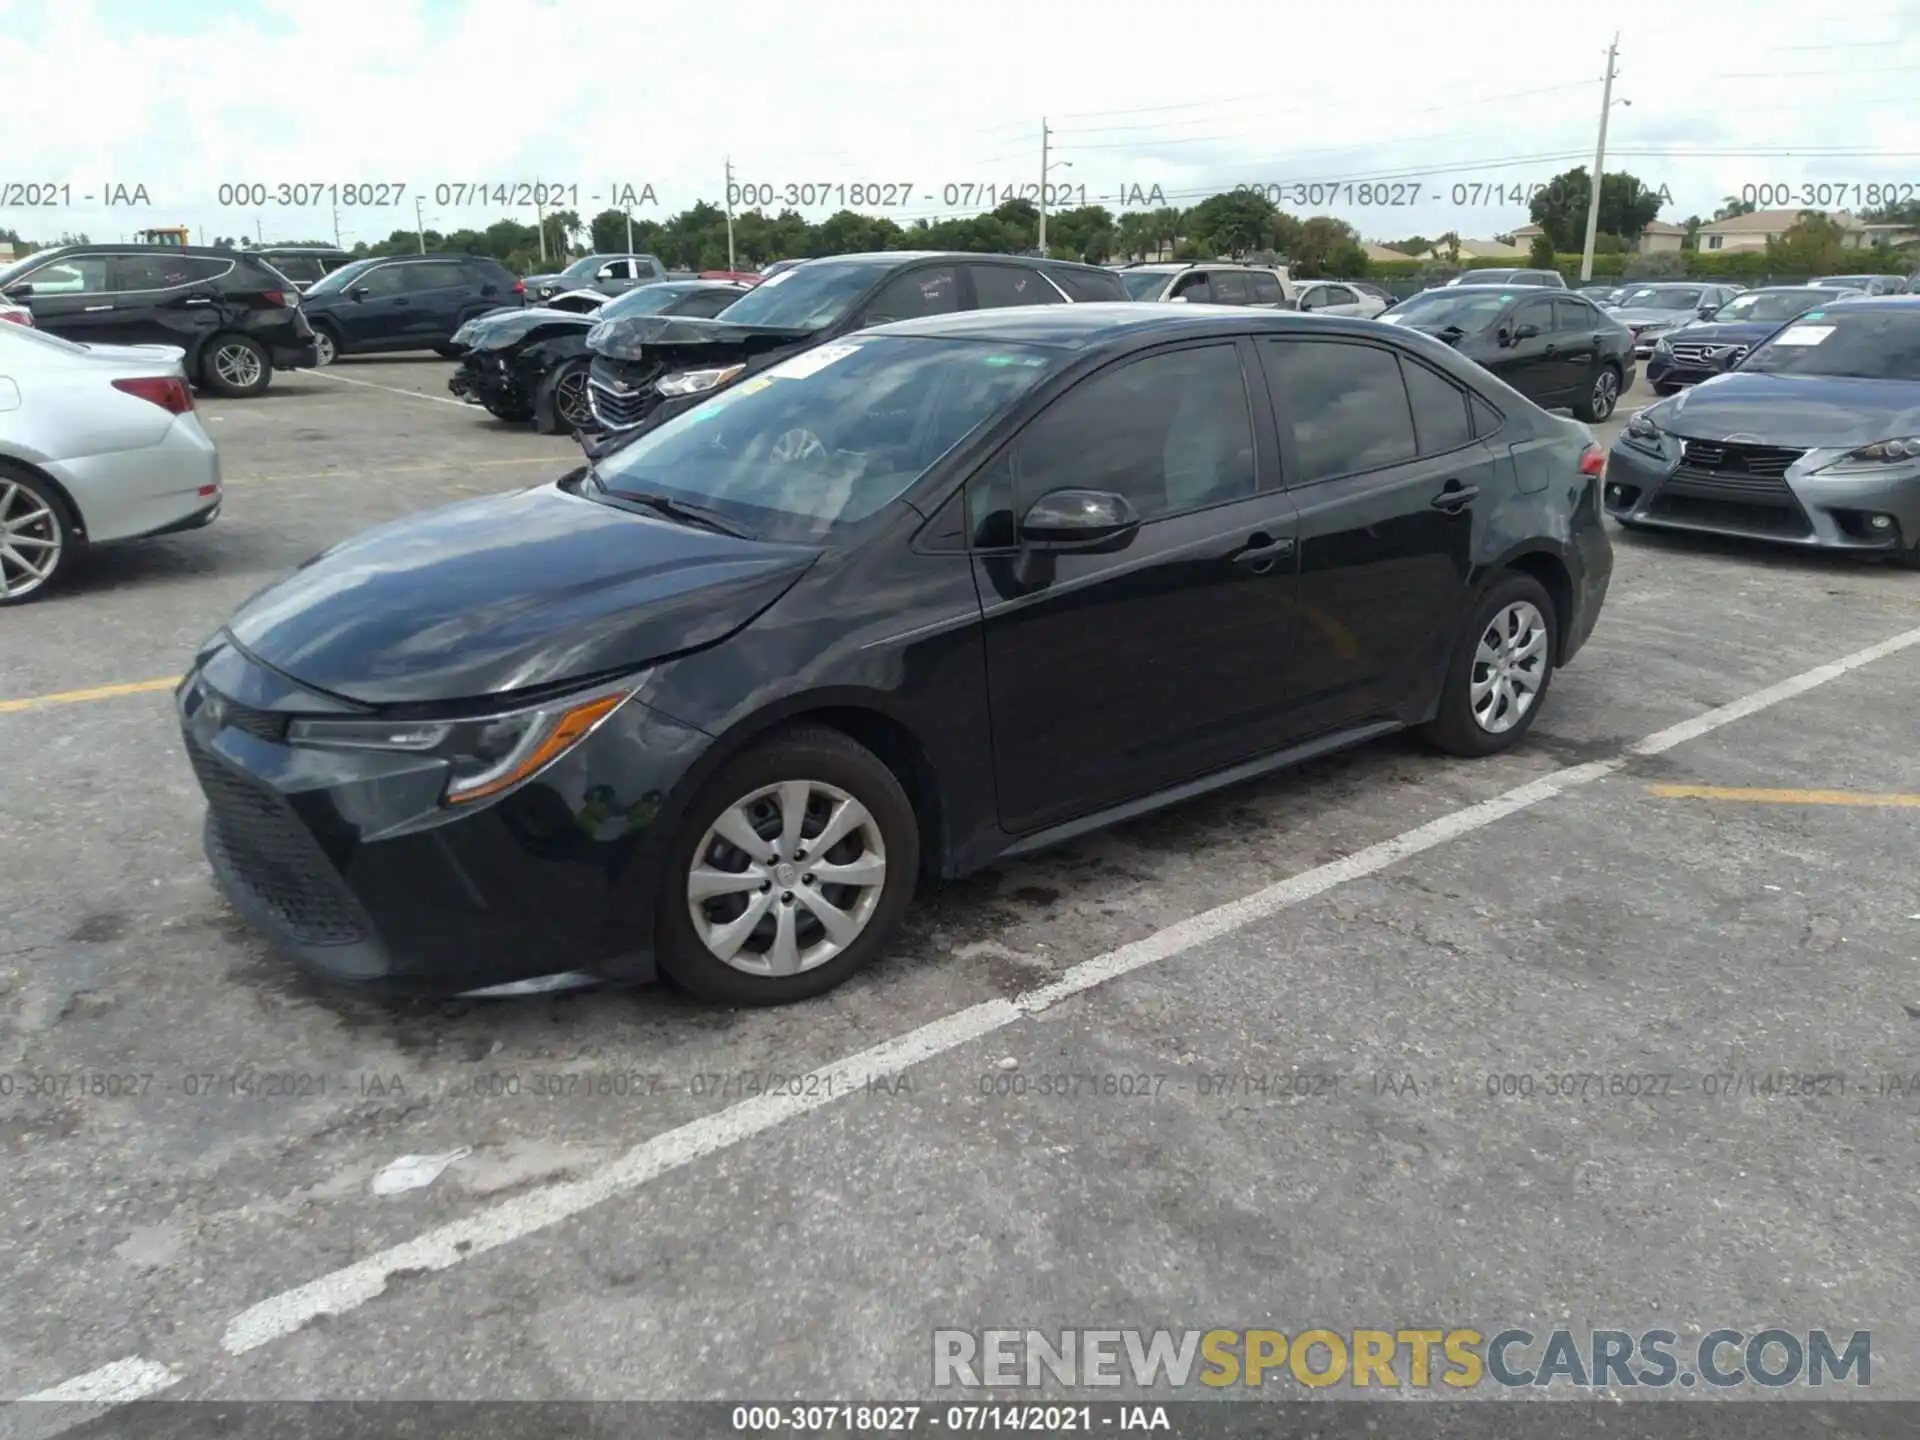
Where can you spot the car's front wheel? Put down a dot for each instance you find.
(1500, 672)
(563, 406)
(790, 872)
(1602, 395)
(37, 540)
(235, 366)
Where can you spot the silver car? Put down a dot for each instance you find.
(97, 443)
(1330, 297)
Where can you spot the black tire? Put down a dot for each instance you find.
(56, 524)
(236, 366)
(1907, 557)
(1603, 394)
(326, 344)
(557, 395)
(1666, 388)
(1455, 729)
(822, 757)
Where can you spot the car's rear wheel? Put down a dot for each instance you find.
(236, 366)
(326, 347)
(563, 406)
(1602, 395)
(1500, 672)
(790, 872)
(37, 537)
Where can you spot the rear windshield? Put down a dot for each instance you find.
(1470, 311)
(296, 267)
(1869, 344)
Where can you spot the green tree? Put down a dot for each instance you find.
(1084, 233)
(1232, 224)
(607, 232)
(1540, 253)
(1413, 245)
(1732, 207)
(1627, 204)
(1815, 243)
(1327, 247)
(1691, 240)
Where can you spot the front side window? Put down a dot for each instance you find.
(829, 436)
(1194, 289)
(1143, 284)
(1539, 314)
(998, 287)
(1348, 406)
(1170, 432)
(1570, 314)
(79, 275)
(386, 280)
(933, 291)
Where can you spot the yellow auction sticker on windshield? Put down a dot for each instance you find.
(810, 362)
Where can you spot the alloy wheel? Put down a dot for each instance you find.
(323, 347)
(1606, 392)
(30, 540)
(1509, 667)
(570, 398)
(786, 878)
(237, 365)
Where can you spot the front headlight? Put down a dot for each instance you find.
(486, 754)
(1884, 452)
(1641, 428)
(695, 382)
(1665, 346)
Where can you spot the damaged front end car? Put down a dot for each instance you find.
(522, 365)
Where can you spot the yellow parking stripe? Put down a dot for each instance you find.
(98, 692)
(1784, 797)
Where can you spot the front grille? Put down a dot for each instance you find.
(1735, 516)
(264, 723)
(1732, 459)
(1709, 355)
(622, 408)
(266, 849)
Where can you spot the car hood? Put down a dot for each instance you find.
(508, 593)
(1733, 332)
(1796, 411)
(630, 337)
(503, 329)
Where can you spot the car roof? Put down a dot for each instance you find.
(1874, 302)
(286, 250)
(1098, 322)
(212, 252)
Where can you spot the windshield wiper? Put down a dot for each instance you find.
(681, 510)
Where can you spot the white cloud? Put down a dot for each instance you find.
(600, 91)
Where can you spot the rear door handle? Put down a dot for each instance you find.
(1455, 497)
(92, 308)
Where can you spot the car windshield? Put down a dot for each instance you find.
(808, 297)
(1139, 284)
(1867, 344)
(341, 278)
(1648, 298)
(1470, 311)
(647, 300)
(829, 436)
(1772, 304)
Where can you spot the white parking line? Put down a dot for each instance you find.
(390, 389)
(346, 1289)
(115, 1384)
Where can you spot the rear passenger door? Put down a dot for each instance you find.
(171, 299)
(442, 294)
(1390, 483)
(1576, 339)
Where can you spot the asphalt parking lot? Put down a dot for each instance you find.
(1293, 1022)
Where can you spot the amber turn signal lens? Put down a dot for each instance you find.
(559, 737)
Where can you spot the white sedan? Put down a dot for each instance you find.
(1329, 297)
(97, 443)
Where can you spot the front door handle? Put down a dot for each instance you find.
(1455, 497)
(1262, 552)
(92, 308)
(1552, 350)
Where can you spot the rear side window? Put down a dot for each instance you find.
(1486, 419)
(1194, 288)
(933, 291)
(998, 287)
(164, 272)
(1229, 288)
(1265, 289)
(1089, 285)
(437, 275)
(1440, 418)
(1571, 314)
(1347, 403)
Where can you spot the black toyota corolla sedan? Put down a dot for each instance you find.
(946, 591)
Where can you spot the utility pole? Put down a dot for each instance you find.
(1599, 162)
(1045, 168)
(629, 229)
(540, 224)
(420, 222)
(729, 212)
(336, 225)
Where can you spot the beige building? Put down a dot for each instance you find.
(1658, 237)
(1752, 232)
(1469, 250)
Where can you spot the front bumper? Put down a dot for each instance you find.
(622, 394)
(485, 377)
(1660, 491)
(349, 865)
(295, 355)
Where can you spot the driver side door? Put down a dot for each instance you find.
(1113, 675)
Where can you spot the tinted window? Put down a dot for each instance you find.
(1143, 284)
(163, 272)
(1539, 313)
(1440, 420)
(1341, 295)
(704, 304)
(1570, 314)
(1265, 288)
(932, 291)
(1229, 287)
(990, 505)
(388, 280)
(297, 267)
(1486, 419)
(1171, 432)
(995, 287)
(1194, 288)
(77, 275)
(1084, 285)
(437, 275)
(828, 436)
(1348, 406)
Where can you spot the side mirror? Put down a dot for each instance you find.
(358, 292)
(19, 292)
(1176, 299)
(1525, 332)
(1707, 312)
(1086, 521)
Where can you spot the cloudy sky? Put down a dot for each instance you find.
(1445, 110)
